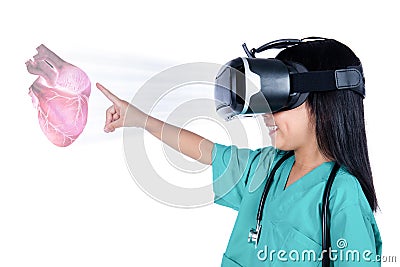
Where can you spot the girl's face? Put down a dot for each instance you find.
(290, 129)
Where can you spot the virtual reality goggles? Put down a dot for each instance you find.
(247, 86)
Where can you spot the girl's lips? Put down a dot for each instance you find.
(271, 132)
(272, 129)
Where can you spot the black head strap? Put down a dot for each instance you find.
(317, 81)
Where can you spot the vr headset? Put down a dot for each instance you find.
(247, 86)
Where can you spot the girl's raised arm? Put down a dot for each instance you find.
(124, 114)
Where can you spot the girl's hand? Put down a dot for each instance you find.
(121, 113)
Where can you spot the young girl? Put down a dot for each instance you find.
(327, 128)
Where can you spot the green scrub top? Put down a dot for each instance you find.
(291, 225)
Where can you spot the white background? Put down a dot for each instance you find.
(79, 206)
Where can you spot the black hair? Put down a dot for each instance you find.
(338, 116)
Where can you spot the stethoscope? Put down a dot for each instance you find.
(254, 233)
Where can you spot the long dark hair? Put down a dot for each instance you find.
(338, 115)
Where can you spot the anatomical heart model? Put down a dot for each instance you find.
(60, 94)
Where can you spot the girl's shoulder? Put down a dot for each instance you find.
(347, 192)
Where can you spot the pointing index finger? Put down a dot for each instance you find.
(107, 93)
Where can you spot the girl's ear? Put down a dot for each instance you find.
(310, 114)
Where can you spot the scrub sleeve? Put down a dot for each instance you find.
(232, 169)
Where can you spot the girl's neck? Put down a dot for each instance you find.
(308, 157)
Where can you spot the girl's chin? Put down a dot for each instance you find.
(278, 143)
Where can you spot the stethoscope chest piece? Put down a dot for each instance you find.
(254, 235)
